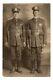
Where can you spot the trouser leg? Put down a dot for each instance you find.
(12, 58)
(33, 59)
(39, 49)
(18, 58)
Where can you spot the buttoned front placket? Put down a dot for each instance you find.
(37, 31)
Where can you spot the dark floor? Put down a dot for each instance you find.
(26, 73)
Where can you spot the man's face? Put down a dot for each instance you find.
(15, 15)
(36, 13)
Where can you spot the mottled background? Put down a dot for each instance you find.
(25, 14)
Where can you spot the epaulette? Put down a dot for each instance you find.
(42, 18)
(10, 18)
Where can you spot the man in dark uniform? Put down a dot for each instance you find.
(14, 39)
(36, 37)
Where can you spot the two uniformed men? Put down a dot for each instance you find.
(35, 30)
(36, 38)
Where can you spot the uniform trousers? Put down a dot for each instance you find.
(35, 58)
(15, 57)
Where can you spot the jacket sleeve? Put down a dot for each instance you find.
(45, 32)
(6, 31)
(23, 34)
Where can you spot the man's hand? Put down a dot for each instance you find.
(44, 45)
(28, 46)
(6, 44)
(24, 44)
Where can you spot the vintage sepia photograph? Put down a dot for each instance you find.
(26, 40)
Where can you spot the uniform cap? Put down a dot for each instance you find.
(35, 8)
(15, 10)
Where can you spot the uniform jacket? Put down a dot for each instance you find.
(36, 32)
(14, 32)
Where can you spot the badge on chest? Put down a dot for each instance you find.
(40, 24)
(39, 28)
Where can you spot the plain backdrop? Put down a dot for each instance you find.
(25, 14)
